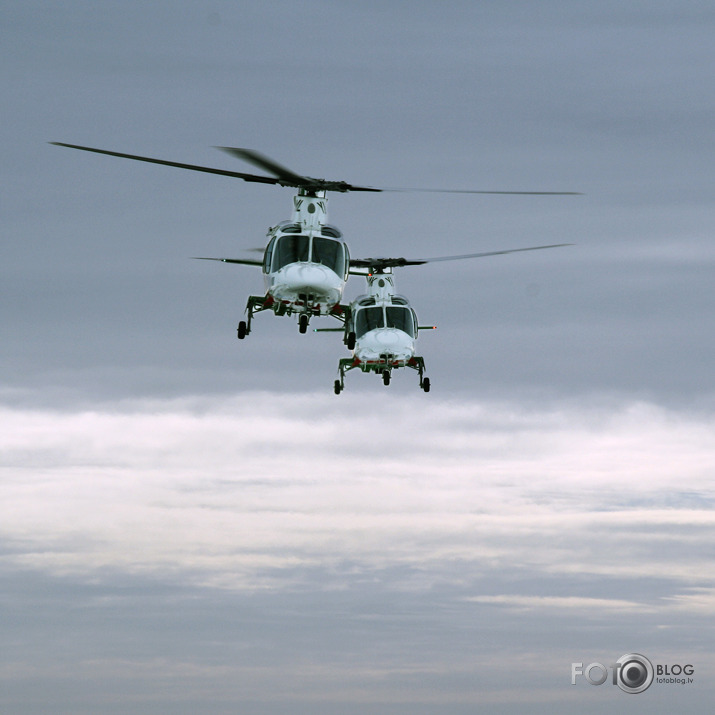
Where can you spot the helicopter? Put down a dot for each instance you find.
(381, 329)
(306, 262)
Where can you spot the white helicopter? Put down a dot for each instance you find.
(381, 327)
(306, 263)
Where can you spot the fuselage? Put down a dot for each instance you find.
(305, 268)
(385, 330)
(381, 330)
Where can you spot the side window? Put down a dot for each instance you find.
(268, 255)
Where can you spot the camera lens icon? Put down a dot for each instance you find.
(635, 673)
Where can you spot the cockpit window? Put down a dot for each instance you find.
(290, 249)
(295, 249)
(331, 231)
(329, 253)
(401, 318)
(368, 319)
(290, 227)
(268, 255)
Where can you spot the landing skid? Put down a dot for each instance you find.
(255, 304)
(384, 368)
(259, 303)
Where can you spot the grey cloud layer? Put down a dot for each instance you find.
(401, 572)
(242, 486)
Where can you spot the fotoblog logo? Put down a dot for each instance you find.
(632, 673)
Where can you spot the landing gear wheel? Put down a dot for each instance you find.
(351, 341)
(242, 330)
(425, 384)
(385, 377)
(303, 323)
(337, 387)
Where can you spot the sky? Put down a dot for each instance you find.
(189, 523)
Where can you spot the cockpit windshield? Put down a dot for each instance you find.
(401, 318)
(329, 253)
(368, 319)
(290, 249)
(296, 249)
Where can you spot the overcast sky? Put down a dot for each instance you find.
(189, 523)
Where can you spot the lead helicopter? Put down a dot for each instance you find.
(306, 262)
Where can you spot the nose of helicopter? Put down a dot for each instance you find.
(385, 340)
(310, 279)
(307, 273)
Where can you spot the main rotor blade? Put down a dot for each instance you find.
(382, 263)
(292, 179)
(474, 191)
(264, 162)
(489, 253)
(286, 177)
(192, 167)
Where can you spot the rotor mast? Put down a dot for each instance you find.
(310, 209)
(381, 284)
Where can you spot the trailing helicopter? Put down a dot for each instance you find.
(381, 327)
(306, 262)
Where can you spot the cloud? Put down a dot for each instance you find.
(696, 600)
(256, 490)
(560, 603)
